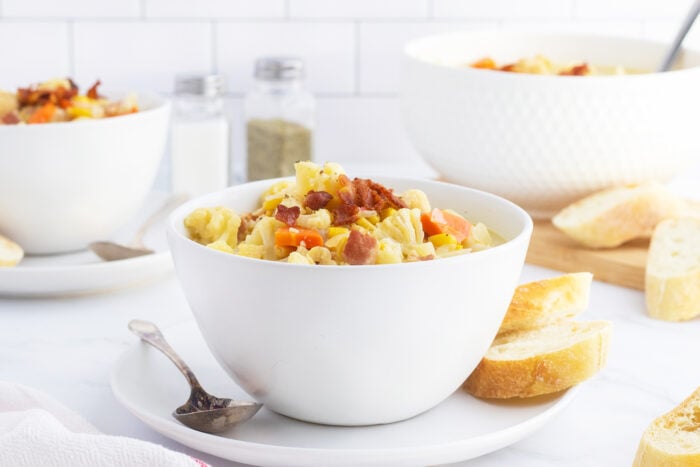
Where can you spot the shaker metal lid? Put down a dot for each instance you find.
(279, 68)
(204, 85)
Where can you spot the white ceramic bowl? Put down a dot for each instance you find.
(352, 345)
(63, 185)
(544, 141)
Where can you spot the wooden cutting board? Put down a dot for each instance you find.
(623, 265)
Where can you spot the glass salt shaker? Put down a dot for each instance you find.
(280, 116)
(199, 136)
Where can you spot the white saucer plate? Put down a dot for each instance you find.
(84, 273)
(460, 428)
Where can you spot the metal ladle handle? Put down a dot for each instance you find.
(150, 333)
(688, 21)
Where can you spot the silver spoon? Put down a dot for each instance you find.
(672, 52)
(112, 251)
(202, 411)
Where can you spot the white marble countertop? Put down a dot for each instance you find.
(66, 347)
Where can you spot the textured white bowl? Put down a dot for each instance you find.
(352, 345)
(64, 185)
(544, 141)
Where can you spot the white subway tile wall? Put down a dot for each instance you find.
(351, 48)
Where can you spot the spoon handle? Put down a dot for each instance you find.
(688, 21)
(149, 332)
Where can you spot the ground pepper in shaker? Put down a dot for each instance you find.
(280, 116)
(199, 136)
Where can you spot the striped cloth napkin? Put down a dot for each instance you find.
(37, 430)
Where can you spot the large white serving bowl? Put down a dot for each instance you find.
(352, 345)
(544, 141)
(64, 185)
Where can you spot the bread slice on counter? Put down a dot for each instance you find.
(544, 302)
(541, 361)
(611, 217)
(10, 253)
(672, 279)
(673, 440)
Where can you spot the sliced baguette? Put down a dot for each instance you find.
(10, 253)
(541, 361)
(544, 302)
(673, 440)
(611, 217)
(672, 280)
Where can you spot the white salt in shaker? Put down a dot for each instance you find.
(200, 136)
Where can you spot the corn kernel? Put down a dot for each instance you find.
(387, 212)
(270, 204)
(365, 224)
(333, 231)
(77, 112)
(442, 239)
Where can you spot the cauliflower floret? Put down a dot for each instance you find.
(312, 177)
(321, 255)
(389, 252)
(404, 226)
(416, 199)
(276, 193)
(319, 220)
(420, 251)
(479, 238)
(298, 258)
(214, 225)
(263, 234)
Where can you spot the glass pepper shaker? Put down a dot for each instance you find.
(200, 136)
(280, 116)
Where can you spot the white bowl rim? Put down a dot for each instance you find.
(178, 215)
(157, 102)
(526, 33)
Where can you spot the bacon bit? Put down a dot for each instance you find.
(92, 92)
(11, 118)
(426, 258)
(345, 214)
(317, 199)
(287, 215)
(576, 70)
(364, 194)
(510, 67)
(59, 96)
(247, 223)
(360, 248)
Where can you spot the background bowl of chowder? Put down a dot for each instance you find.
(544, 141)
(66, 184)
(352, 345)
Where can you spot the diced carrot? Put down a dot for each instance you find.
(485, 63)
(43, 114)
(295, 236)
(439, 221)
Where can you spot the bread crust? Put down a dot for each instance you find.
(684, 417)
(547, 301)
(611, 217)
(10, 252)
(542, 373)
(673, 296)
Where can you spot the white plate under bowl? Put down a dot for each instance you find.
(460, 428)
(83, 272)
